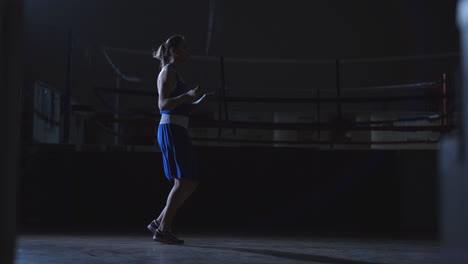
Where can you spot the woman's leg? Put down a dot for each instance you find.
(181, 190)
(160, 217)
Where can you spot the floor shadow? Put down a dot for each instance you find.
(289, 255)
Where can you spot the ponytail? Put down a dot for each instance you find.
(163, 52)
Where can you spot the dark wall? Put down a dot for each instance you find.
(11, 30)
(291, 29)
(336, 28)
(251, 188)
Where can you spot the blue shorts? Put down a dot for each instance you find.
(177, 152)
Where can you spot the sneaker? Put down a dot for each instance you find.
(166, 237)
(153, 226)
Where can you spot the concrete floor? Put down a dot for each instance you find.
(224, 249)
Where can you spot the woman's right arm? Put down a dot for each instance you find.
(166, 84)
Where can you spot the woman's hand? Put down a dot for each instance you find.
(208, 97)
(194, 94)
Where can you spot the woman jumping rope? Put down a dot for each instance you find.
(175, 102)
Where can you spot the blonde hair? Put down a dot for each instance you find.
(163, 52)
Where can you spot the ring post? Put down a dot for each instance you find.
(453, 167)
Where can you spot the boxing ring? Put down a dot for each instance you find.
(332, 112)
(232, 120)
